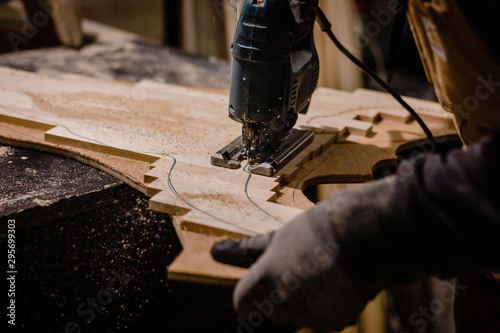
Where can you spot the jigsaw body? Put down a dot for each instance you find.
(272, 81)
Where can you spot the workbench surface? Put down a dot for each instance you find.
(77, 225)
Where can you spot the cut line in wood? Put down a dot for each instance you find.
(161, 144)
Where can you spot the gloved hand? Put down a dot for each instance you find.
(438, 216)
(299, 275)
(302, 10)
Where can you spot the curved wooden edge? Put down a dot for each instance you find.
(95, 159)
(195, 264)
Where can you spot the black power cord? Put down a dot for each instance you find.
(326, 26)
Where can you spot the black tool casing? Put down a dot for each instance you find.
(272, 80)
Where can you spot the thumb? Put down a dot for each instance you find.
(242, 253)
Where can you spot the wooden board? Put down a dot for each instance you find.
(159, 139)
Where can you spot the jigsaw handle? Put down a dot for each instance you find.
(271, 79)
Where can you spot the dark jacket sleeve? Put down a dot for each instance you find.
(438, 215)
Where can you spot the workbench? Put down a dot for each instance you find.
(75, 224)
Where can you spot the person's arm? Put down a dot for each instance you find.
(437, 216)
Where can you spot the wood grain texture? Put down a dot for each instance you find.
(159, 139)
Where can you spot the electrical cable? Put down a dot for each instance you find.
(326, 26)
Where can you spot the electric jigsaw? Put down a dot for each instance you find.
(273, 77)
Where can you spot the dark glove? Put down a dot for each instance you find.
(298, 276)
(302, 11)
(438, 216)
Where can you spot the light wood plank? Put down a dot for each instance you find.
(137, 131)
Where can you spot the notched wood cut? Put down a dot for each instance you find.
(162, 143)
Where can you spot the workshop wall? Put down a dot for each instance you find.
(143, 17)
(206, 27)
(336, 71)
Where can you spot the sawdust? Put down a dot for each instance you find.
(179, 125)
(220, 198)
(30, 170)
(128, 170)
(5, 151)
(43, 203)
